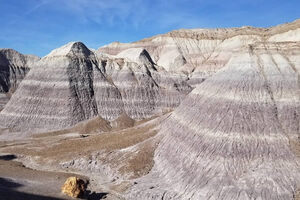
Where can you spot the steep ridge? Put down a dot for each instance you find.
(146, 89)
(72, 84)
(199, 53)
(13, 68)
(56, 93)
(234, 144)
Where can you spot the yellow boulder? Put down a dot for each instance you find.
(73, 187)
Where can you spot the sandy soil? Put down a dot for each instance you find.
(30, 168)
(19, 182)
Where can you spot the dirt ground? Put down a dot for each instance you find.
(19, 183)
(128, 152)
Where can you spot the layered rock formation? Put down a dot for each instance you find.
(234, 137)
(57, 92)
(145, 87)
(140, 79)
(230, 138)
(72, 84)
(13, 68)
(199, 53)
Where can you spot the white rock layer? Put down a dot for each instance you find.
(199, 53)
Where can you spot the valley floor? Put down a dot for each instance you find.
(36, 166)
(18, 182)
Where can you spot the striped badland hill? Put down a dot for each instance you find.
(231, 136)
(72, 84)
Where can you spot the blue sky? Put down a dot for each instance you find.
(38, 26)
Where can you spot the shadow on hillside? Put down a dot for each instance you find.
(8, 157)
(8, 192)
(95, 196)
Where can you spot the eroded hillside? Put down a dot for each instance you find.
(191, 114)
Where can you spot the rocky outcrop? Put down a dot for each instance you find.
(230, 138)
(13, 68)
